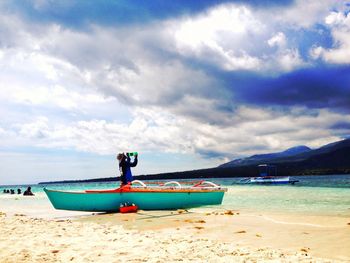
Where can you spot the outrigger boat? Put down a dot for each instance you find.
(171, 195)
(268, 175)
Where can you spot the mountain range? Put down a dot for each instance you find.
(268, 157)
(333, 158)
(330, 158)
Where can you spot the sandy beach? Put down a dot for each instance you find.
(175, 236)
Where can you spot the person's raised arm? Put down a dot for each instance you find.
(134, 163)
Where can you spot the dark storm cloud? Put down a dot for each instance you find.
(209, 153)
(317, 88)
(341, 126)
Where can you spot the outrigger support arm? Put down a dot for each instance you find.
(206, 183)
(173, 182)
(139, 182)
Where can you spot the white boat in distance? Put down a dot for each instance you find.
(268, 175)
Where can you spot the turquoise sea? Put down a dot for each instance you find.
(312, 195)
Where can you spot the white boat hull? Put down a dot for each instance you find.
(271, 180)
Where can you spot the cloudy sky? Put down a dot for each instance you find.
(188, 84)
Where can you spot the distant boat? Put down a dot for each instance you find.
(171, 195)
(268, 175)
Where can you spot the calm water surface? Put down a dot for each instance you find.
(315, 195)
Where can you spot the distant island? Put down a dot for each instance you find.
(329, 159)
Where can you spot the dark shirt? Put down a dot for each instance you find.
(28, 192)
(125, 171)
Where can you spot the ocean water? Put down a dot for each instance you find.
(312, 195)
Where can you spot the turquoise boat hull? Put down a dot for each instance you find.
(148, 200)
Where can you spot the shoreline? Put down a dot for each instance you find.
(220, 235)
(152, 178)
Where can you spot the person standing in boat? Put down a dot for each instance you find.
(125, 165)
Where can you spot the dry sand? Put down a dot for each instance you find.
(172, 236)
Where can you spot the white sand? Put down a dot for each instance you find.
(171, 237)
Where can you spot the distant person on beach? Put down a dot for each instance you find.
(12, 191)
(19, 191)
(28, 191)
(124, 166)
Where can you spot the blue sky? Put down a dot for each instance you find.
(188, 84)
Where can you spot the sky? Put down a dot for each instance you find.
(188, 84)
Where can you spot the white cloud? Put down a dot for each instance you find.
(116, 62)
(339, 24)
(218, 36)
(56, 96)
(289, 60)
(335, 18)
(176, 107)
(149, 130)
(230, 36)
(106, 60)
(286, 59)
(155, 130)
(44, 81)
(278, 40)
(302, 13)
(209, 27)
(316, 52)
(37, 129)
